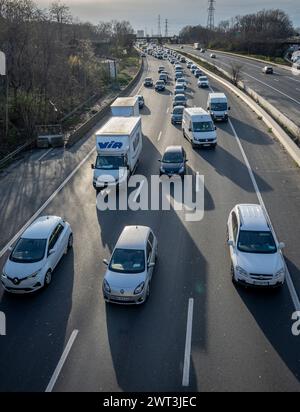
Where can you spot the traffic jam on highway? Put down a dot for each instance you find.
(209, 292)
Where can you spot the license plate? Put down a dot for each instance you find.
(261, 283)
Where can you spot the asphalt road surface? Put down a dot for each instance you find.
(282, 89)
(67, 339)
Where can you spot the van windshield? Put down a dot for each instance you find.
(110, 162)
(219, 107)
(199, 127)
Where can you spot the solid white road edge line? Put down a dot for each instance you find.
(62, 361)
(44, 154)
(159, 136)
(49, 200)
(188, 345)
(289, 281)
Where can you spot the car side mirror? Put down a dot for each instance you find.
(92, 166)
(190, 129)
(186, 160)
(51, 252)
(208, 108)
(215, 127)
(229, 108)
(151, 265)
(10, 249)
(281, 245)
(105, 261)
(230, 243)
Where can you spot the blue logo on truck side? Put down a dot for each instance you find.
(110, 145)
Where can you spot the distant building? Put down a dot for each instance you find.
(140, 33)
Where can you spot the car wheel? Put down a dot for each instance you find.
(147, 292)
(70, 241)
(232, 275)
(48, 278)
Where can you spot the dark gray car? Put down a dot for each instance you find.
(177, 114)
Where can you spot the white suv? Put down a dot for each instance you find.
(256, 257)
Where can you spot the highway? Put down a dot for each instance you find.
(282, 89)
(241, 339)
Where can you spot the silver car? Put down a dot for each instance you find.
(128, 276)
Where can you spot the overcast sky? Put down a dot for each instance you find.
(143, 14)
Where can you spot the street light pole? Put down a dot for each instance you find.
(3, 72)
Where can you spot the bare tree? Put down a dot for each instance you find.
(236, 73)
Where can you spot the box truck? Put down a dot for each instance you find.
(119, 145)
(125, 106)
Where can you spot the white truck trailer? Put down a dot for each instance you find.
(125, 106)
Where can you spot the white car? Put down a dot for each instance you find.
(181, 81)
(129, 273)
(203, 81)
(256, 256)
(213, 56)
(33, 259)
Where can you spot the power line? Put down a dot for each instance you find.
(211, 14)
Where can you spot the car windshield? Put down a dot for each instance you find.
(256, 242)
(219, 107)
(148, 79)
(203, 78)
(29, 250)
(127, 261)
(178, 110)
(179, 98)
(110, 162)
(203, 127)
(172, 157)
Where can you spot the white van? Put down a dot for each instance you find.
(217, 106)
(198, 127)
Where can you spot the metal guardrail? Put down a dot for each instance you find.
(11, 155)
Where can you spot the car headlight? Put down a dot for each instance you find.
(241, 271)
(34, 275)
(4, 275)
(280, 273)
(106, 286)
(181, 170)
(139, 288)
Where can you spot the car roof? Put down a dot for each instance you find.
(41, 228)
(174, 149)
(252, 217)
(133, 237)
